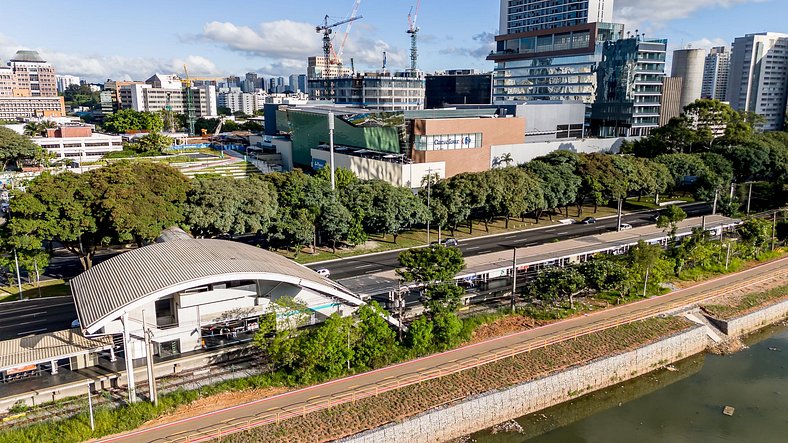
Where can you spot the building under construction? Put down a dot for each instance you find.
(384, 90)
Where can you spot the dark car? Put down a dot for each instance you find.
(588, 221)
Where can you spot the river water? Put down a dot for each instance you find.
(676, 406)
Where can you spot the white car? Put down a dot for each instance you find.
(324, 272)
(625, 227)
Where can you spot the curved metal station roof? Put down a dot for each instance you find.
(131, 276)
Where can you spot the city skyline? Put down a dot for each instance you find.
(277, 38)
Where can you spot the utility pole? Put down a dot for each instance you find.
(331, 148)
(90, 409)
(149, 361)
(18, 275)
(714, 206)
(774, 228)
(620, 207)
(727, 255)
(514, 279)
(399, 304)
(429, 207)
(749, 197)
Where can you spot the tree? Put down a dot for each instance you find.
(603, 274)
(335, 221)
(151, 144)
(443, 297)
(392, 208)
(325, 350)
(676, 137)
(128, 120)
(506, 159)
(559, 184)
(15, 147)
(375, 340)
(446, 329)
(344, 178)
(756, 233)
(557, 284)
(669, 220)
(643, 258)
(136, 200)
(420, 337)
(430, 264)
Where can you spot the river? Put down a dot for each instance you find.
(675, 406)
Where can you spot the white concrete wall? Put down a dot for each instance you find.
(398, 174)
(525, 152)
(499, 406)
(756, 320)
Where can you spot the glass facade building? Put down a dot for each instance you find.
(630, 76)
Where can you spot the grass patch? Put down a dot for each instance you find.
(49, 288)
(749, 302)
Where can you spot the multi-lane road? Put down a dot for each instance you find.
(54, 314)
(374, 263)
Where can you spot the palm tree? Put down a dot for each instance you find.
(507, 159)
(32, 129)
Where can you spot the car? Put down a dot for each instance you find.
(588, 221)
(323, 272)
(446, 242)
(75, 323)
(624, 227)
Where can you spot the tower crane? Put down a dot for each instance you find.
(327, 29)
(337, 58)
(190, 114)
(413, 30)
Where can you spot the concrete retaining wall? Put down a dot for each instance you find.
(753, 321)
(495, 407)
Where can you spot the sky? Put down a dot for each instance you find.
(97, 40)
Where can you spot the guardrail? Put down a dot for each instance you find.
(462, 364)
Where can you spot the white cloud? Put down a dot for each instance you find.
(99, 68)
(288, 44)
(651, 14)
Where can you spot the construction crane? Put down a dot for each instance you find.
(190, 114)
(337, 58)
(413, 30)
(327, 29)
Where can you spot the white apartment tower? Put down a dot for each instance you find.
(715, 73)
(758, 80)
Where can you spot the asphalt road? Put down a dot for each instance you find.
(204, 427)
(55, 314)
(374, 263)
(37, 316)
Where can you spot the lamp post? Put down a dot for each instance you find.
(18, 275)
(749, 198)
(514, 279)
(331, 148)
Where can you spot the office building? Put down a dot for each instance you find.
(758, 79)
(549, 50)
(518, 16)
(251, 82)
(165, 92)
(234, 81)
(65, 81)
(31, 76)
(12, 108)
(630, 79)
(385, 91)
(78, 143)
(670, 105)
(688, 65)
(303, 84)
(715, 73)
(457, 88)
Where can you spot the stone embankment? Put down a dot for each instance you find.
(489, 409)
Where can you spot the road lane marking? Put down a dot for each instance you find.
(472, 248)
(31, 332)
(366, 266)
(521, 240)
(371, 271)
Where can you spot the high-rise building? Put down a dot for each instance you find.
(303, 83)
(715, 73)
(233, 81)
(519, 16)
(292, 85)
(65, 81)
(250, 83)
(688, 65)
(670, 105)
(28, 75)
(549, 50)
(630, 79)
(758, 80)
(165, 92)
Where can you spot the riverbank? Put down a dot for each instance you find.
(742, 315)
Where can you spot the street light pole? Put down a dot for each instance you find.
(331, 148)
(749, 197)
(514, 279)
(774, 228)
(18, 275)
(429, 207)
